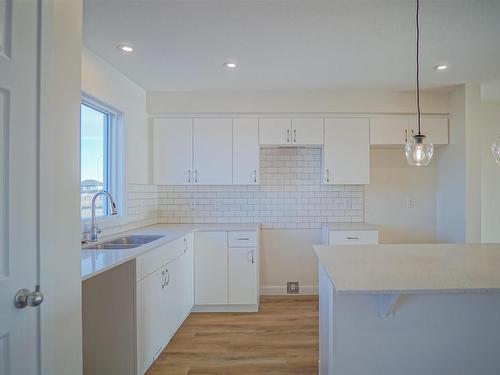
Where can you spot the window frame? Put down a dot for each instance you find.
(115, 165)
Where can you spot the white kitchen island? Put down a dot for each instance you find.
(409, 309)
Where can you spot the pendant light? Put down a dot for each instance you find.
(495, 149)
(418, 149)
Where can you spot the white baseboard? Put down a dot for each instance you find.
(225, 308)
(307, 290)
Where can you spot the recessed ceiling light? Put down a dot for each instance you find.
(441, 67)
(125, 48)
(230, 65)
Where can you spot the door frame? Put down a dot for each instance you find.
(60, 44)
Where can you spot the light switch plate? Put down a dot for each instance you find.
(292, 287)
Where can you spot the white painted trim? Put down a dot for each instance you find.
(226, 308)
(307, 290)
(292, 115)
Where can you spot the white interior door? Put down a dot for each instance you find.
(172, 151)
(213, 151)
(19, 350)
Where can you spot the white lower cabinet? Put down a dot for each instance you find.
(226, 278)
(242, 275)
(164, 298)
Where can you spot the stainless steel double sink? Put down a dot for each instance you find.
(126, 242)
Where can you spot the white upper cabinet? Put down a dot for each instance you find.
(245, 151)
(275, 131)
(307, 131)
(388, 131)
(395, 131)
(213, 151)
(172, 151)
(346, 154)
(436, 129)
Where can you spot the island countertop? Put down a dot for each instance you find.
(415, 268)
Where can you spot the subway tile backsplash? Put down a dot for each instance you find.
(290, 196)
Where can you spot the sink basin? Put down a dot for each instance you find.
(134, 240)
(110, 246)
(126, 242)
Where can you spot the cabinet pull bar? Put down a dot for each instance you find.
(294, 135)
(243, 239)
(353, 238)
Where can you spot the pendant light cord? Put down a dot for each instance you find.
(418, 70)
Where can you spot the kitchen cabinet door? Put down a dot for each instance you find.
(307, 131)
(275, 131)
(388, 131)
(172, 151)
(213, 151)
(436, 129)
(245, 151)
(210, 268)
(152, 329)
(346, 154)
(242, 276)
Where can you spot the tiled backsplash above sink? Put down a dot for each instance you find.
(290, 196)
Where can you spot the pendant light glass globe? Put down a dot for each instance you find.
(418, 152)
(495, 149)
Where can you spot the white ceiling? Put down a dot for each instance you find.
(295, 44)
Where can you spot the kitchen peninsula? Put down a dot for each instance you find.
(409, 309)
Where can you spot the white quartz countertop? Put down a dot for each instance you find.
(93, 262)
(398, 269)
(349, 226)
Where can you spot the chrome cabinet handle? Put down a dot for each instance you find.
(294, 135)
(250, 257)
(287, 135)
(406, 135)
(327, 175)
(196, 176)
(255, 175)
(189, 176)
(165, 278)
(185, 245)
(352, 238)
(25, 298)
(243, 239)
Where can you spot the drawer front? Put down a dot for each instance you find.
(156, 258)
(242, 239)
(362, 237)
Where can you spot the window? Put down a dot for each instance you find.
(98, 157)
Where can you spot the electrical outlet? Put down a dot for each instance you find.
(410, 203)
(292, 287)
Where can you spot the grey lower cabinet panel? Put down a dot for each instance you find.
(109, 322)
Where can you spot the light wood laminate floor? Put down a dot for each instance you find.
(282, 338)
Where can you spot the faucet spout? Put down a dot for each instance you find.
(94, 230)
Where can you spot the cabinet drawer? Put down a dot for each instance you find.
(362, 237)
(242, 239)
(156, 258)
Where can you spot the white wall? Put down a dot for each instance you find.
(392, 183)
(490, 174)
(104, 82)
(287, 254)
(450, 212)
(327, 101)
(459, 170)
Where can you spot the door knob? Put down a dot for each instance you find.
(25, 298)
